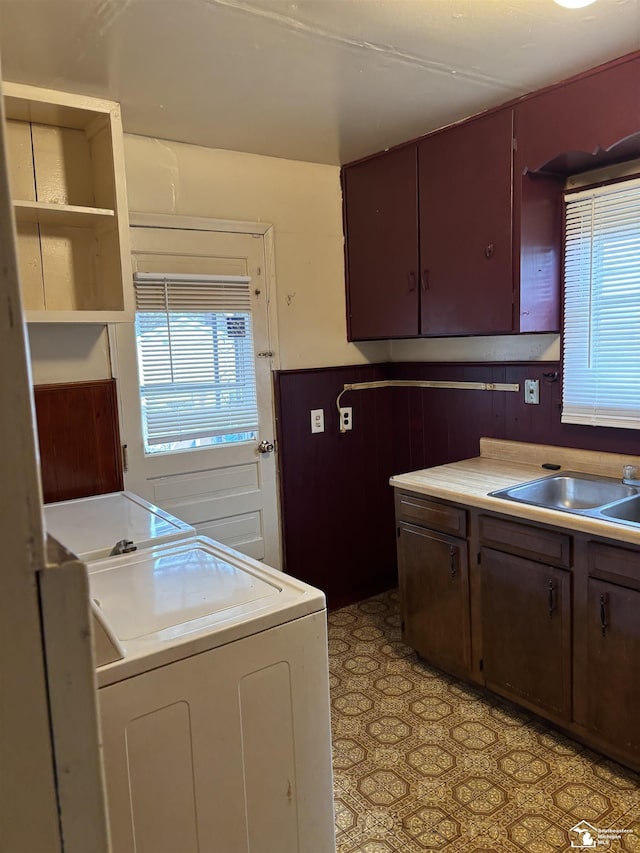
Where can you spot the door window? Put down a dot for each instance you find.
(195, 354)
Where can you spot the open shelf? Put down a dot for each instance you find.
(66, 170)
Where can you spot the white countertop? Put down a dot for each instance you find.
(506, 463)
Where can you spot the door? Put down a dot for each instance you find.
(434, 595)
(227, 491)
(526, 631)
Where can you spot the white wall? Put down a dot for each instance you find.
(301, 200)
(66, 353)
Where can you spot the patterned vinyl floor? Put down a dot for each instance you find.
(424, 762)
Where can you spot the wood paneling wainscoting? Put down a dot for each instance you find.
(337, 506)
(79, 439)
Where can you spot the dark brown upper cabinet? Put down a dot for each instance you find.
(464, 188)
(381, 222)
(484, 257)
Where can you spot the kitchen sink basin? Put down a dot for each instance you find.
(572, 492)
(627, 510)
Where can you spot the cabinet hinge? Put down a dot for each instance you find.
(514, 143)
(125, 458)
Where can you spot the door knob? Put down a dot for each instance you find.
(265, 446)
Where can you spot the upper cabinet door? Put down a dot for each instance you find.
(571, 122)
(381, 223)
(465, 179)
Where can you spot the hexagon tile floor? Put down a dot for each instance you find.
(424, 762)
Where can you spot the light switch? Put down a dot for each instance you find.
(317, 420)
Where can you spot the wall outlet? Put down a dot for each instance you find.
(317, 420)
(532, 391)
(346, 418)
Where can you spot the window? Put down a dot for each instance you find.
(196, 362)
(602, 306)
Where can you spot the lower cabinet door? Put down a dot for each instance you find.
(526, 631)
(613, 649)
(434, 596)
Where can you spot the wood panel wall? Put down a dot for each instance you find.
(337, 508)
(79, 439)
(338, 521)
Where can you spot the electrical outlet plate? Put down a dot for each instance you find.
(317, 420)
(346, 418)
(532, 391)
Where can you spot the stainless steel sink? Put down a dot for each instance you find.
(571, 492)
(626, 510)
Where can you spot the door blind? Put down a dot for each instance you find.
(196, 360)
(602, 307)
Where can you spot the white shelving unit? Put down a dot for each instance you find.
(66, 168)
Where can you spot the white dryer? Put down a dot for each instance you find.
(215, 721)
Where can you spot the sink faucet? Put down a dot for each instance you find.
(630, 476)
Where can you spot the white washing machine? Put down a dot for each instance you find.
(215, 718)
(92, 527)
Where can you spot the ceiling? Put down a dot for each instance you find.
(325, 81)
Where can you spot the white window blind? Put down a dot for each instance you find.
(196, 360)
(602, 307)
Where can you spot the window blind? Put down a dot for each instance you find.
(196, 359)
(601, 347)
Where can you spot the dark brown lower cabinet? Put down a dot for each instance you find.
(613, 650)
(526, 631)
(434, 595)
(544, 616)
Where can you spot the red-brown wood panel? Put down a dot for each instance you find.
(381, 226)
(465, 228)
(80, 452)
(587, 115)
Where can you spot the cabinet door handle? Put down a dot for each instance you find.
(603, 614)
(452, 562)
(489, 249)
(425, 280)
(552, 599)
(412, 282)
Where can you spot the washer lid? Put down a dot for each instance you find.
(181, 598)
(90, 527)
